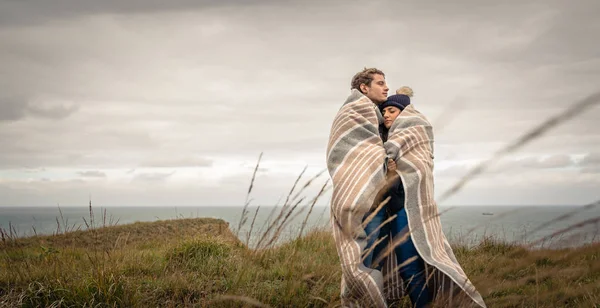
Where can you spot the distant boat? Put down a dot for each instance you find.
(487, 213)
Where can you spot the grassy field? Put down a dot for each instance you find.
(200, 262)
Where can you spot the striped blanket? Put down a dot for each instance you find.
(356, 160)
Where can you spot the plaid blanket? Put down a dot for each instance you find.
(356, 161)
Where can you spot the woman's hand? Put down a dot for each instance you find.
(391, 171)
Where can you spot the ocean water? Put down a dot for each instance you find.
(464, 224)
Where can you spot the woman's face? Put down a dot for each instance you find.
(390, 113)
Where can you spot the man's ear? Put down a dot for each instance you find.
(363, 88)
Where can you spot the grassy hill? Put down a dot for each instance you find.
(199, 262)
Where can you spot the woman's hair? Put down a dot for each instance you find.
(364, 77)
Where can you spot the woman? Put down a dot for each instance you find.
(357, 163)
(413, 272)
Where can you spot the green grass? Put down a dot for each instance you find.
(200, 263)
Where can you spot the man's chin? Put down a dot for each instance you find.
(377, 101)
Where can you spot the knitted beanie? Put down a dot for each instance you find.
(400, 100)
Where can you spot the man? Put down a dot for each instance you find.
(371, 83)
(357, 159)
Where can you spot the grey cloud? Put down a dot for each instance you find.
(591, 159)
(36, 170)
(555, 161)
(229, 79)
(92, 174)
(156, 177)
(17, 109)
(562, 30)
(73, 142)
(533, 163)
(120, 194)
(54, 112)
(511, 165)
(490, 125)
(591, 169)
(178, 161)
(566, 144)
(11, 110)
(569, 39)
(238, 70)
(36, 11)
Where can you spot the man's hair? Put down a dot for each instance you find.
(364, 77)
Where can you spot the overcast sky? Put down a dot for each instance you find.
(171, 102)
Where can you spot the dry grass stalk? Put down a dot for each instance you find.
(279, 229)
(247, 202)
(287, 199)
(323, 189)
(276, 224)
(252, 226)
(285, 206)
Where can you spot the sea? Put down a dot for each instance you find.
(535, 226)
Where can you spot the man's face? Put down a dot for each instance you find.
(377, 91)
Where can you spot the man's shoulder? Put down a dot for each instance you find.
(354, 96)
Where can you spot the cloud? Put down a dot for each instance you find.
(554, 161)
(92, 174)
(196, 83)
(590, 164)
(175, 162)
(510, 165)
(591, 159)
(13, 109)
(34, 12)
(591, 169)
(456, 170)
(52, 112)
(37, 170)
(155, 177)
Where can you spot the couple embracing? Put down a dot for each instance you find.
(385, 220)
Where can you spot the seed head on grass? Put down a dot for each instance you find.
(247, 202)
